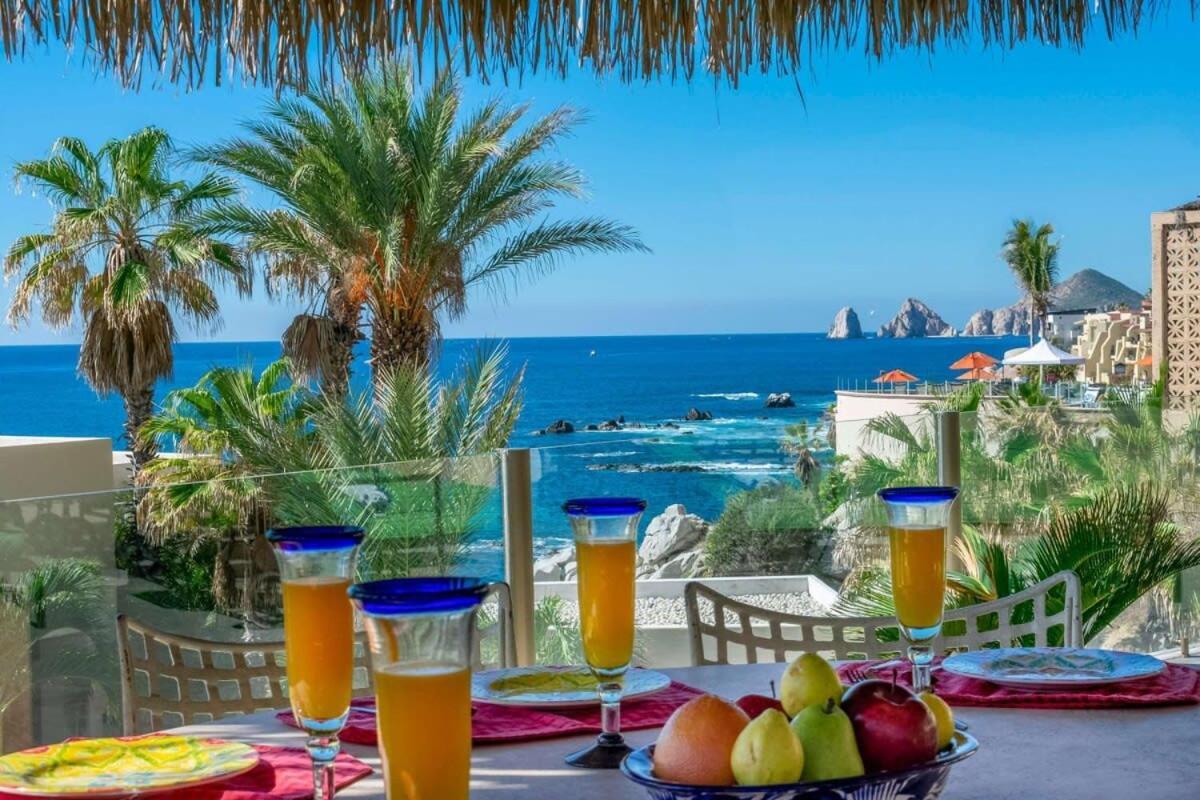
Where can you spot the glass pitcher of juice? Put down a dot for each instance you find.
(420, 631)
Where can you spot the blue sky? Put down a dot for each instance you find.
(767, 211)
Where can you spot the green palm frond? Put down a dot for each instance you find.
(123, 256)
(392, 204)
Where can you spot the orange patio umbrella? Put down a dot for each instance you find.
(896, 376)
(1146, 361)
(978, 374)
(973, 361)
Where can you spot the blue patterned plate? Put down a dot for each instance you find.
(924, 782)
(1053, 667)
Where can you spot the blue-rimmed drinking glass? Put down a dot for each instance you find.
(605, 531)
(917, 520)
(316, 565)
(421, 632)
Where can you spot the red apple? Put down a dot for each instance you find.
(894, 729)
(755, 704)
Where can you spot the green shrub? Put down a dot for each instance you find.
(771, 530)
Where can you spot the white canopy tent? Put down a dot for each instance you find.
(1043, 354)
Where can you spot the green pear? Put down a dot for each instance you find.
(767, 752)
(830, 750)
(808, 681)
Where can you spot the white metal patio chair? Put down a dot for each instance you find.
(169, 680)
(719, 627)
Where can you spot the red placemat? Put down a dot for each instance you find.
(492, 724)
(1175, 685)
(282, 773)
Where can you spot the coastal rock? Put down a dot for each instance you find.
(980, 323)
(696, 415)
(559, 426)
(1007, 321)
(845, 325)
(609, 425)
(915, 320)
(553, 566)
(671, 533)
(684, 565)
(780, 400)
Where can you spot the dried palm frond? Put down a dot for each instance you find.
(279, 43)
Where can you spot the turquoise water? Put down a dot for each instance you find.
(647, 379)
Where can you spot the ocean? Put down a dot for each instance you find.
(647, 379)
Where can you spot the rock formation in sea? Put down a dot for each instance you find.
(845, 325)
(696, 415)
(913, 320)
(1007, 321)
(780, 400)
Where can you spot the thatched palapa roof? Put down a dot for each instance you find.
(286, 42)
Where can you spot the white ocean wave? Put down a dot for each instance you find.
(613, 454)
(724, 467)
(731, 395)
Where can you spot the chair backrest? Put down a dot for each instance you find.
(169, 680)
(723, 630)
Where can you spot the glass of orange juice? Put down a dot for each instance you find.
(315, 567)
(917, 520)
(605, 530)
(420, 630)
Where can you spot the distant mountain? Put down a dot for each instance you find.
(1089, 288)
(914, 320)
(1086, 289)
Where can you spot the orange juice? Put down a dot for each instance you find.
(606, 595)
(424, 724)
(918, 575)
(318, 630)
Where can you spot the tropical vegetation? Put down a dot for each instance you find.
(393, 206)
(124, 257)
(1033, 258)
(251, 451)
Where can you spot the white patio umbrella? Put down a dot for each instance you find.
(1042, 355)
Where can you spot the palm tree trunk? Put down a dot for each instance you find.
(336, 383)
(398, 342)
(139, 407)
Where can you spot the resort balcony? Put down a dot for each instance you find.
(792, 529)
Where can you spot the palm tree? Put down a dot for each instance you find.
(1033, 259)
(120, 255)
(412, 468)
(393, 206)
(229, 433)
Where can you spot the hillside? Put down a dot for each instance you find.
(1089, 288)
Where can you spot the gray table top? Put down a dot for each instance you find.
(1024, 754)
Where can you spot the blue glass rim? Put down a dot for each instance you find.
(918, 495)
(428, 595)
(604, 506)
(316, 537)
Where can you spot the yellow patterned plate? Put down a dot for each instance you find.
(556, 687)
(135, 765)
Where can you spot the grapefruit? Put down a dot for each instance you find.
(696, 743)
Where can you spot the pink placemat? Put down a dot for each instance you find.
(282, 773)
(1175, 685)
(492, 724)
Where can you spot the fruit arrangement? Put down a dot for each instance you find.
(817, 730)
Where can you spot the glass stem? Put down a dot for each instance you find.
(921, 657)
(610, 711)
(323, 750)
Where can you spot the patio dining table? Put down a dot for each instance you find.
(1024, 754)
